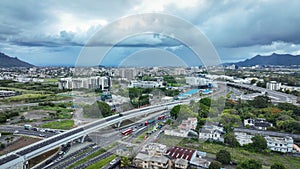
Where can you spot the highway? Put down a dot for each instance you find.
(42, 146)
(275, 95)
(18, 130)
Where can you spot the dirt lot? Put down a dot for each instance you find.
(19, 143)
(37, 114)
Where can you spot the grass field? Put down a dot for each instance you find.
(102, 162)
(62, 124)
(87, 158)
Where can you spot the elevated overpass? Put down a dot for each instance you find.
(19, 158)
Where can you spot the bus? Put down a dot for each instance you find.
(161, 117)
(127, 132)
(149, 122)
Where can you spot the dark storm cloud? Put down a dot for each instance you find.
(237, 28)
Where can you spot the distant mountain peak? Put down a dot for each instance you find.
(273, 59)
(7, 61)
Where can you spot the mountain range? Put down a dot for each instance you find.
(273, 59)
(7, 61)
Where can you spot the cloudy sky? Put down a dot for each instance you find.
(53, 32)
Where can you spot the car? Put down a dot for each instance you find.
(42, 135)
(42, 130)
(113, 162)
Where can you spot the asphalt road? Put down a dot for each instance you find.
(18, 130)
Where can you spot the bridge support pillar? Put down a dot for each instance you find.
(25, 165)
(119, 124)
(82, 138)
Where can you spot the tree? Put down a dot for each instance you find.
(253, 81)
(125, 161)
(223, 156)
(278, 166)
(215, 165)
(104, 109)
(230, 139)
(22, 118)
(206, 101)
(175, 111)
(261, 101)
(249, 164)
(261, 84)
(259, 143)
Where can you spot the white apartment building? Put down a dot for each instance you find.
(273, 85)
(146, 84)
(95, 82)
(243, 138)
(212, 132)
(280, 144)
(197, 81)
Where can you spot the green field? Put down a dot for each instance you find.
(62, 124)
(102, 162)
(87, 158)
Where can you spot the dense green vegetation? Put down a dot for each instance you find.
(7, 114)
(97, 110)
(223, 157)
(284, 116)
(250, 164)
(215, 165)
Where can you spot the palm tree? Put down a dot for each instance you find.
(125, 161)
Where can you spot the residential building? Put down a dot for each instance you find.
(142, 160)
(153, 156)
(185, 129)
(280, 144)
(146, 84)
(195, 158)
(212, 132)
(176, 133)
(258, 123)
(273, 85)
(189, 124)
(95, 82)
(181, 163)
(197, 81)
(243, 138)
